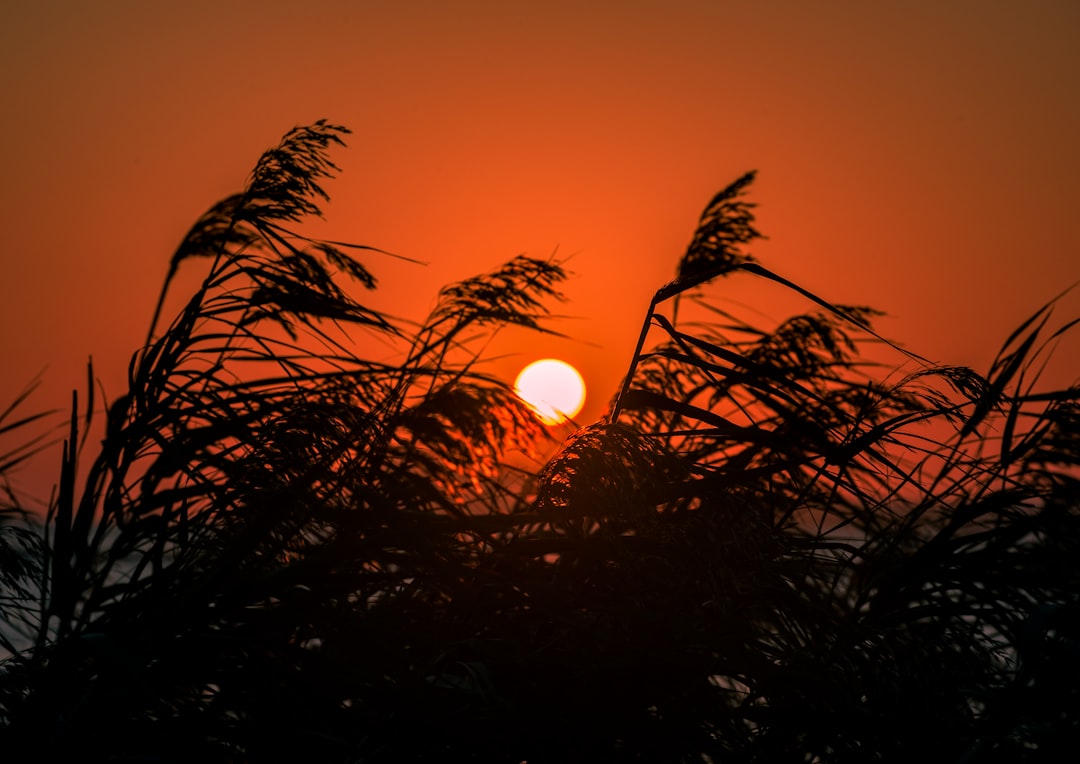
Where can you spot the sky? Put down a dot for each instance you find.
(918, 157)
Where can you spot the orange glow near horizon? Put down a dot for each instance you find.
(903, 154)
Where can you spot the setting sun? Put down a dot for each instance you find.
(554, 389)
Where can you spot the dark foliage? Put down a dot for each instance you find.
(767, 552)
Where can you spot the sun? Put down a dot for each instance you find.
(553, 388)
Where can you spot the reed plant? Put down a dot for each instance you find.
(768, 550)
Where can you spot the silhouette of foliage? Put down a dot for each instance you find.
(768, 551)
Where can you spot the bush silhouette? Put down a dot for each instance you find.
(766, 552)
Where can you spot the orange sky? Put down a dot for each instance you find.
(920, 157)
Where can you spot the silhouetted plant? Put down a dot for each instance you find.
(768, 551)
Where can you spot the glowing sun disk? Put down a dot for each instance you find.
(554, 389)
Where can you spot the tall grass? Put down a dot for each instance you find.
(769, 550)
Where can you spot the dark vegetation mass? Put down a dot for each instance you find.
(770, 550)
